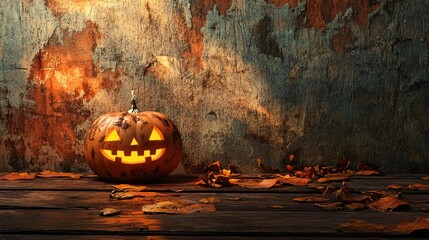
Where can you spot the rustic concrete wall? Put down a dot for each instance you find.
(241, 79)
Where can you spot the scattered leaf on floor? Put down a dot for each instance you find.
(367, 173)
(109, 212)
(49, 174)
(387, 203)
(214, 180)
(330, 189)
(335, 206)
(425, 178)
(334, 177)
(355, 206)
(311, 199)
(129, 188)
(121, 195)
(210, 200)
(213, 167)
(359, 226)
(177, 207)
(295, 181)
(18, 176)
(226, 173)
(264, 183)
(377, 194)
(419, 186)
(420, 226)
(395, 187)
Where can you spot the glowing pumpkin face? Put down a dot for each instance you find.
(133, 146)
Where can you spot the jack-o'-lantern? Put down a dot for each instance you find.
(133, 146)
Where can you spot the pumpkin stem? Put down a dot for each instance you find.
(133, 103)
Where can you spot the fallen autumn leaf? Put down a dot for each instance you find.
(18, 176)
(178, 207)
(387, 203)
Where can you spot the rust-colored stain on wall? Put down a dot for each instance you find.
(343, 40)
(319, 13)
(193, 35)
(281, 3)
(61, 78)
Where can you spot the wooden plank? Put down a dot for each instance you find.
(163, 237)
(188, 185)
(230, 223)
(279, 202)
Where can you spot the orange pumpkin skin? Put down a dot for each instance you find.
(132, 147)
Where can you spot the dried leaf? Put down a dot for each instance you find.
(336, 206)
(395, 187)
(121, 195)
(292, 180)
(359, 226)
(355, 206)
(49, 174)
(334, 177)
(330, 189)
(262, 168)
(213, 167)
(367, 173)
(311, 199)
(129, 188)
(377, 194)
(178, 207)
(387, 204)
(419, 186)
(226, 173)
(307, 172)
(18, 176)
(210, 200)
(420, 226)
(425, 178)
(249, 183)
(109, 212)
(214, 180)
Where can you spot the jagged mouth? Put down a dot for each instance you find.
(133, 157)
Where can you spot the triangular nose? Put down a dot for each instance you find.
(134, 142)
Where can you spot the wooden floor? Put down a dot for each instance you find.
(60, 208)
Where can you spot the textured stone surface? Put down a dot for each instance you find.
(241, 79)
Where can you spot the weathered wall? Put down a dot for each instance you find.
(241, 79)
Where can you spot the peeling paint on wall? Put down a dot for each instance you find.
(241, 79)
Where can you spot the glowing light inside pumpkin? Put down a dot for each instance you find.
(133, 157)
(112, 136)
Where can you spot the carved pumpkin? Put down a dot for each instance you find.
(129, 147)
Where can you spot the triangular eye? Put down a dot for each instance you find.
(156, 134)
(112, 136)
